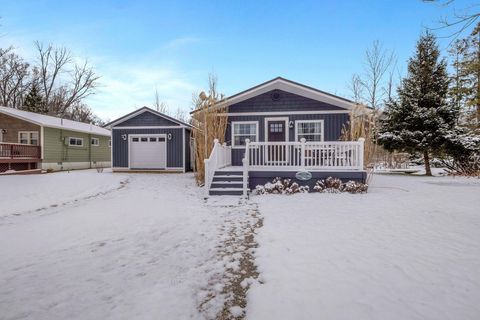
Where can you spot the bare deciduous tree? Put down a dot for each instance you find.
(377, 62)
(59, 95)
(14, 78)
(356, 88)
(159, 105)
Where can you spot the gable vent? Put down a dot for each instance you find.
(276, 96)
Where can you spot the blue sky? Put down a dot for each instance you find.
(137, 46)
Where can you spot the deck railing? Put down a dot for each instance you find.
(220, 157)
(321, 155)
(19, 151)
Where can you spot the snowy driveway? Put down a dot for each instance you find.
(108, 246)
(409, 249)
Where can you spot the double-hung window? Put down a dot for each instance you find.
(311, 130)
(95, 142)
(242, 130)
(28, 137)
(75, 142)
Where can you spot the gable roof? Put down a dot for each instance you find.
(142, 110)
(283, 84)
(54, 122)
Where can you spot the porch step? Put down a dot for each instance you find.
(225, 191)
(228, 173)
(227, 183)
(227, 178)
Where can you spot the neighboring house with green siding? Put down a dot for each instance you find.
(35, 141)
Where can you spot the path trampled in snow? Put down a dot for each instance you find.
(409, 249)
(144, 251)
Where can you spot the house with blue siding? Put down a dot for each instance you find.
(146, 139)
(282, 128)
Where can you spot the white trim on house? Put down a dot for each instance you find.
(58, 166)
(310, 121)
(150, 127)
(75, 145)
(1, 135)
(232, 129)
(286, 128)
(29, 138)
(183, 153)
(42, 143)
(163, 135)
(291, 87)
(140, 111)
(274, 113)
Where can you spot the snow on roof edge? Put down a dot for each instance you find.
(54, 122)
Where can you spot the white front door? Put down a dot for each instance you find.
(148, 152)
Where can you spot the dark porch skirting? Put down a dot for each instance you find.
(262, 177)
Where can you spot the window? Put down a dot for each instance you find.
(311, 130)
(95, 142)
(152, 139)
(143, 139)
(110, 142)
(242, 131)
(276, 127)
(28, 137)
(135, 139)
(75, 142)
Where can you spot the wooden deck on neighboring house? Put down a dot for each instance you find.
(15, 156)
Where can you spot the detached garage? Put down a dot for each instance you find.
(150, 140)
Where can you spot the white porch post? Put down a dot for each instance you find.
(302, 155)
(361, 153)
(246, 161)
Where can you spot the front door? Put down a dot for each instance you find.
(276, 132)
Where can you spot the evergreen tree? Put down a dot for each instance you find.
(34, 101)
(423, 117)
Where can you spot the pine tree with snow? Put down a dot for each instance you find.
(34, 101)
(423, 117)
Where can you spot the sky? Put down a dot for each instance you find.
(138, 47)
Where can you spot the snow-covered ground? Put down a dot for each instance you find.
(88, 245)
(146, 250)
(409, 249)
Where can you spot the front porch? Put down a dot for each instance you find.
(263, 161)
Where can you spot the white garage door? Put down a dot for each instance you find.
(148, 152)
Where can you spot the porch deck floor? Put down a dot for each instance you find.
(286, 168)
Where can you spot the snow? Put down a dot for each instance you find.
(88, 245)
(54, 122)
(409, 249)
(146, 250)
(23, 193)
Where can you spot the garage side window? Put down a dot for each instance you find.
(75, 142)
(95, 142)
(243, 130)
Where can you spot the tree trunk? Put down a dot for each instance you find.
(426, 158)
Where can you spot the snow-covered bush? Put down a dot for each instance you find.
(279, 186)
(335, 185)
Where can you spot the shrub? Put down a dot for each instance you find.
(279, 186)
(335, 185)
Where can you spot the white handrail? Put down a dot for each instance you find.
(220, 157)
(302, 155)
(245, 162)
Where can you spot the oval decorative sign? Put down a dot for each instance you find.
(303, 175)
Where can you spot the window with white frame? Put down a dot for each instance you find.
(75, 142)
(311, 130)
(95, 142)
(110, 142)
(28, 137)
(242, 130)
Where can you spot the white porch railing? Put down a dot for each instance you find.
(322, 155)
(220, 157)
